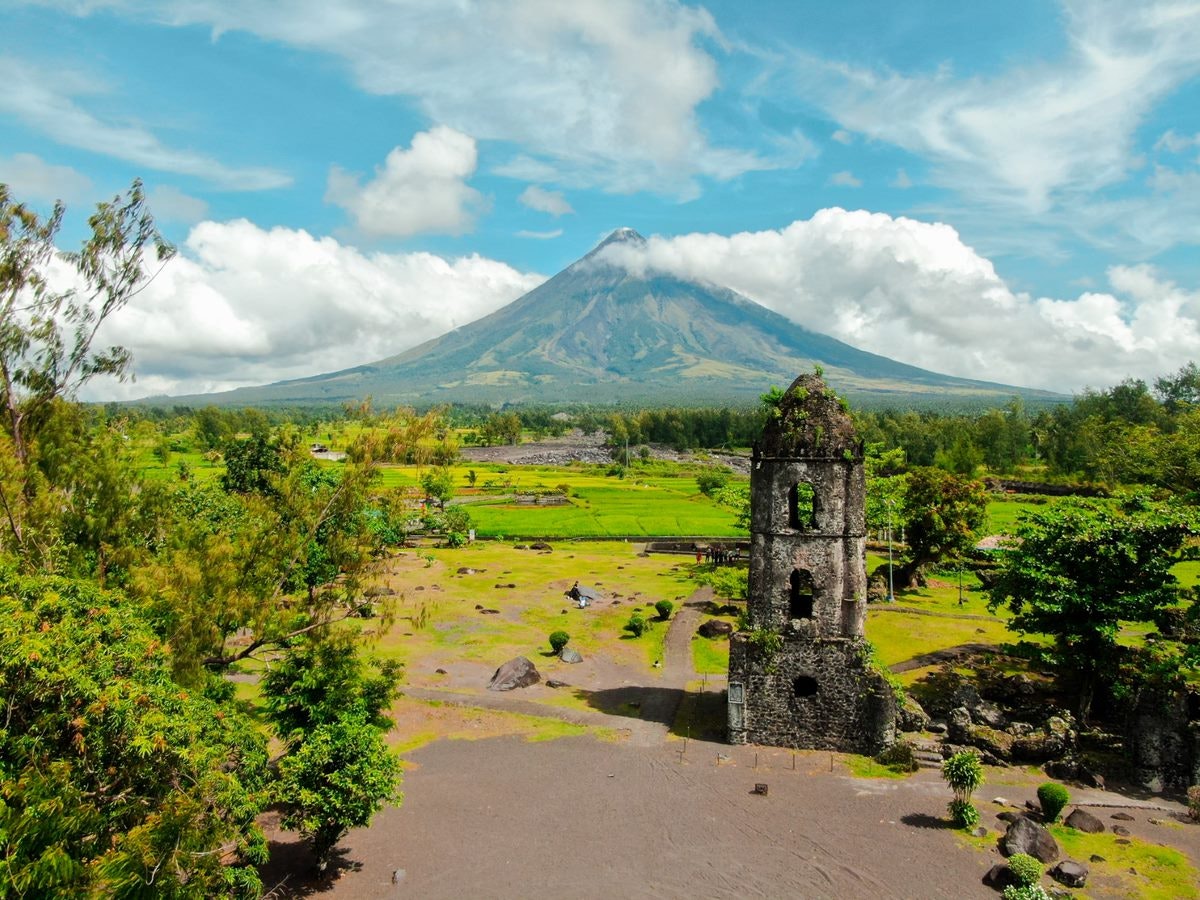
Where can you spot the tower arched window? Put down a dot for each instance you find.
(802, 508)
(800, 595)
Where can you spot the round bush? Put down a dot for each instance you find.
(963, 813)
(636, 625)
(558, 640)
(900, 757)
(1053, 797)
(663, 608)
(1025, 869)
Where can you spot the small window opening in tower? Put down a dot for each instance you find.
(802, 512)
(804, 686)
(800, 595)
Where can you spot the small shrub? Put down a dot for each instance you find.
(963, 772)
(1053, 797)
(1025, 869)
(558, 640)
(636, 625)
(1025, 892)
(963, 813)
(664, 608)
(899, 757)
(563, 489)
(1193, 800)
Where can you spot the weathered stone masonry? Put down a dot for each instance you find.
(801, 675)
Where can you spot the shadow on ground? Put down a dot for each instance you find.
(924, 820)
(289, 873)
(695, 714)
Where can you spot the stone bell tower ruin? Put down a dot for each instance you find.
(800, 675)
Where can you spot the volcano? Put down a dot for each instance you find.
(597, 333)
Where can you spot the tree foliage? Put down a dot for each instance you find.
(942, 515)
(1079, 568)
(113, 780)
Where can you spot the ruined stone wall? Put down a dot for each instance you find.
(812, 694)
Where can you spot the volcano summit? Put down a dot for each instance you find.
(597, 333)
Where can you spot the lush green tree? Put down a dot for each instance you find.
(438, 485)
(1079, 568)
(339, 776)
(319, 679)
(47, 332)
(115, 781)
(942, 515)
(331, 710)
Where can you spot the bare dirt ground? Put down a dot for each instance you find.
(653, 815)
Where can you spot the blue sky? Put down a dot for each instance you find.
(1001, 191)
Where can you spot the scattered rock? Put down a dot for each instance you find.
(936, 727)
(999, 877)
(979, 831)
(958, 725)
(555, 683)
(712, 628)
(911, 716)
(540, 545)
(467, 570)
(398, 876)
(1122, 840)
(419, 587)
(440, 672)
(569, 655)
(1096, 857)
(1070, 873)
(500, 587)
(988, 714)
(490, 612)
(1026, 836)
(1082, 820)
(1155, 821)
(1000, 801)
(479, 606)
(516, 673)
(379, 591)
(1009, 816)
(1122, 817)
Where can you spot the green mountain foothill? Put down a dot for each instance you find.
(597, 333)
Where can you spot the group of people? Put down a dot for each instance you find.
(717, 555)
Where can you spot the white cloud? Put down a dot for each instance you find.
(599, 92)
(244, 305)
(1034, 136)
(901, 181)
(842, 136)
(1176, 143)
(552, 202)
(541, 235)
(913, 291)
(170, 204)
(30, 177)
(46, 102)
(845, 179)
(422, 189)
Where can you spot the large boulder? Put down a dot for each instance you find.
(911, 717)
(570, 655)
(992, 741)
(516, 673)
(1082, 820)
(958, 725)
(1027, 836)
(1070, 873)
(712, 628)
